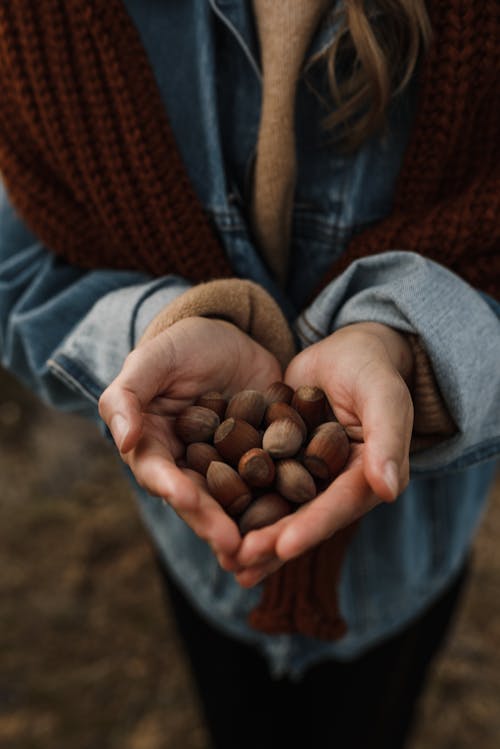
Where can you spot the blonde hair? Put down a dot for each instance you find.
(380, 50)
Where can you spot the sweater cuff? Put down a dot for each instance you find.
(432, 421)
(243, 303)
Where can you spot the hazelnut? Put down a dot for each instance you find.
(199, 455)
(215, 401)
(228, 488)
(294, 481)
(196, 424)
(235, 437)
(282, 438)
(248, 405)
(266, 510)
(281, 410)
(278, 392)
(327, 452)
(257, 468)
(310, 402)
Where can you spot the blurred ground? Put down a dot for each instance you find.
(88, 658)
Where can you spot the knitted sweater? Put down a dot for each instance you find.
(90, 161)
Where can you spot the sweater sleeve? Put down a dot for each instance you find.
(243, 303)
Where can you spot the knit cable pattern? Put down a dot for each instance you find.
(86, 150)
(90, 160)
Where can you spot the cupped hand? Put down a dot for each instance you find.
(364, 369)
(158, 380)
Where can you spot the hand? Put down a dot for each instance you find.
(363, 369)
(158, 380)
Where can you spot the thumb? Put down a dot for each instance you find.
(122, 404)
(386, 414)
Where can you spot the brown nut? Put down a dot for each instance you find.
(282, 438)
(199, 455)
(329, 412)
(281, 410)
(257, 468)
(248, 405)
(235, 437)
(266, 510)
(228, 488)
(215, 401)
(278, 392)
(294, 481)
(310, 402)
(327, 452)
(196, 424)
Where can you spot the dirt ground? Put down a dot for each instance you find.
(88, 658)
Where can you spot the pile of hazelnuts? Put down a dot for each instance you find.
(263, 453)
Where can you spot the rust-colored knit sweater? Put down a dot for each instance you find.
(90, 162)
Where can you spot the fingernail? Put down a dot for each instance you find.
(391, 477)
(119, 429)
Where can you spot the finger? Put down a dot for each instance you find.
(155, 470)
(228, 563)
(259, 546)
(212, 524)
(346, 500)
(303, 369)
(143, 375)
(121, 410)
(248, 578)
(160, 477)
(386, 412)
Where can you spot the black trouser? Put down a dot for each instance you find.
(364, 704)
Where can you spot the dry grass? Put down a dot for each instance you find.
(88, 658)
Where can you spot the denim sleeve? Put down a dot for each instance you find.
(64, 331)
(459, 328)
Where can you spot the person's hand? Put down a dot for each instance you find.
(363, 369)
(158, 380)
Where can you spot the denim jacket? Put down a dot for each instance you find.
(65, 332)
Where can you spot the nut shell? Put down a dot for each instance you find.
(248, 405)
(310, 402)
(234, 437)
(328, 451)
(228, 488)
(196, 424)
(278, 392)
(257, 468)
(215, 401)
(266, 510)
(294, 482)
(282, 438)
(199, 455)
(280, 410)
